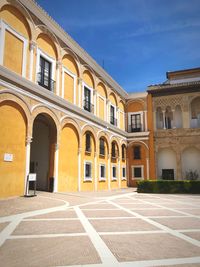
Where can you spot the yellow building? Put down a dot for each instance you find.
(61, 115)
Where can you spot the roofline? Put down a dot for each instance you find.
(41, 14)
(180, 71)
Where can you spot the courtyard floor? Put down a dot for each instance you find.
(115, 228)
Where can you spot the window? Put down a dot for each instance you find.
(114, 173)
(137, 172)
(123, 152)
(45, 74)
(88, 142)
(136, 152)
(168, 174)
(102, 172)
(113, 120)
(123, 173)
(87, 105)
(113, 150)
(88, 171)
(102, 147)
(136, 123)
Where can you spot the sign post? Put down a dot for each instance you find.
(31, 178)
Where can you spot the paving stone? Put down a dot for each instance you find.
(157, 212)
(48, 252)
(98, 206)
(179, 223)
(106, 213)
(194, 235)
(149, 247)
(122, 225)
(48, 227)
(56, 214)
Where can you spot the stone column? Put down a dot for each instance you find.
(32, 47)
(80, 100)
(95, 171)
(108, 110)
(95, 101)
(79, 169)
(118, 117)
(164, 124)
(119, 172)
(58, 70)
(28, 155)
(55, 188)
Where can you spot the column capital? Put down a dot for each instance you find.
(107, 101)
(32, 45)
(79, 150)
(79, 80)
(58, 64)
(57, 146)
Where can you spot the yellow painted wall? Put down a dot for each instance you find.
(101, 108)
(70, 64)
(87, 185)
(101, 90)
(68, 160)
(87, 78)
(16, 20)
(45, 43)
(68, 87)
(13, 53)
(103, 185)
(12, 141)
(135, 106)
(121, 121)
(114, 161)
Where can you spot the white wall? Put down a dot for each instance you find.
(166, 159)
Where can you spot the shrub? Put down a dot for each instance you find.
(192, 175)
(169, 186)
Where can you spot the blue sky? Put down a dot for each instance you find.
(138, 40)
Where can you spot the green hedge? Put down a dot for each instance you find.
(168, 186)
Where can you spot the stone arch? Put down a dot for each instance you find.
(195, 112)
(41, 109)
(159, 118)
(66, 120)
(103, 135)
(139, 142)
(74, 56)
(113, 99)
(121, 106)
(135, 105)
(70, 63)
(88, 128)
(47, 44)
(102, 89)
(88, 78)
(115, 139)
(17, 19)
(190, 161)
(167, 164)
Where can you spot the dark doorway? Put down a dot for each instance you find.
(168, 174)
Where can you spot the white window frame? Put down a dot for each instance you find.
(65, 70)
(102, 178)
(48, 58)
(142, 172)
(123, 177)
(114, 166)
(5, 27)
(115, 113)
(91, 92)
(104, 99)
(86, 179)
(141, 117)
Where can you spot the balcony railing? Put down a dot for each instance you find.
(135, 128)
(113, 120)
(87, 105)
(45, 81)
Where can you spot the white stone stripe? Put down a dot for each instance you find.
(50, 219)
(102, 249)
(98, 209)
(160, 226)
(132, 232)
(110, 218)
(7, 231)
(147, 263)
(45, 235)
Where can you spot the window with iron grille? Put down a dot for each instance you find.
(112, 115)
(102, 147)
(88, 142)
(123, 172)
(88, 171)
(102, 172)
(136, 152)
(87, 99)
(45, 73)
(114, 172)
(137, 172)
(113, 150)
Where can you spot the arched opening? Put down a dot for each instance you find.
(190, 162)
(195, 113)
(166, 164)
(178, 123)
(159, 118)
(168, 118)
(43, 150)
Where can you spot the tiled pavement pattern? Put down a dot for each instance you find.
(120, 228)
